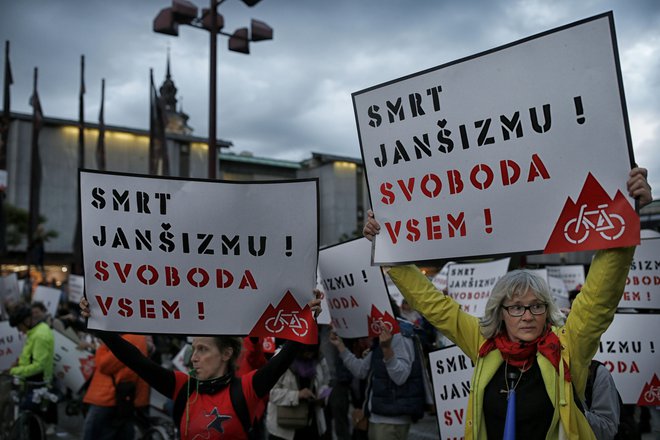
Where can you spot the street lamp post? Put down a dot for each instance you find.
(184, 12)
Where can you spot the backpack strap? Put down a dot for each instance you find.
(591, 377)
(238, 402)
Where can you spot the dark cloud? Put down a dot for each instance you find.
(292, 95)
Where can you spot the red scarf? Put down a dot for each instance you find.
(521, 355)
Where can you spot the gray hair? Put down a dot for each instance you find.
(512, 284)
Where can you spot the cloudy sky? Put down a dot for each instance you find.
(292, 95)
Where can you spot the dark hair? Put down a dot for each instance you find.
(19, 314)
(233, 342)
(39, 305)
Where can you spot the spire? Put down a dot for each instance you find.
(177, 121)
(168, 89)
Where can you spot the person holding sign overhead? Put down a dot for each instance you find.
(210, 402)
(522, 345)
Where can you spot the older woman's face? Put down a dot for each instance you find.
(527, 327)
(207, 359)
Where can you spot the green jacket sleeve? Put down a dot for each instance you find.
(593, 309)
(440, 310)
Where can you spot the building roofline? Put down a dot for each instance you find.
(174, 136)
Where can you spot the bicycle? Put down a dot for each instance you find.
(277, 323)
(17, 423)
(148, 427)
(610, 226)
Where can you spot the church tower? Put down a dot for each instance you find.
(177, 121)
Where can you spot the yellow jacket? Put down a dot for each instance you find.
(591, 314)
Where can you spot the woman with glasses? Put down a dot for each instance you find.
(522, 342)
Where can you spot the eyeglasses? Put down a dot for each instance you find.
(518, 310)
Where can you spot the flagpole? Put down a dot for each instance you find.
(100, 144)
(5, 121)
(77, 234)
(35, 176)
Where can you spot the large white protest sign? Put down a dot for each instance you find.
(49, 296)
(11, 344)
(451, 371)
(72, 366)
(643, 283)
(76, 288)
(572, 275)
(167, 255)
(470, 284)
(522, 148)
(355, 290)
(629, 349)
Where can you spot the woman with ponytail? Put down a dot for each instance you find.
(210, 402)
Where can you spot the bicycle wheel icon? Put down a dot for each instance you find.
(575, 235)
(274, 324)
(301, 329)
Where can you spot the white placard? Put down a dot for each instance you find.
(522, 148)
(49, 296)
(179, 361)
(9, 292)
(630, 350)
(178, 256)
(643, 283)
(76, 288)
(470, 284)
(440, 279)
(11, 344)
(72, 366)
(572, 275)
(559, 292)
(451, 371)
(354, 288)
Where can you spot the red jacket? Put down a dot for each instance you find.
(101, 391)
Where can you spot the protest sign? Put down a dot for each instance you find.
(522, 148)
(76, 288)
(572, 275)
(72, 366)
(11, 344)
(50, 298)
(180, 256)
(182, 359)
(9, 292)
(440, 279)
(559, 292)
(356, 291)
(470, 284)
(324, 316)
(629, 349)
(643, 283)
(451, 372)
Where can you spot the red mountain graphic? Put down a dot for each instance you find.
(650, 393)
(287, 321)
(377, 315)
(594, 221)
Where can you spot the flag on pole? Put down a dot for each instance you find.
(100, 143)
(35, 242)
(5, 120)
(81, 115)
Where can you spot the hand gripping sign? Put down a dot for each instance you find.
(520, 149)
(356, 291)
(199, 257)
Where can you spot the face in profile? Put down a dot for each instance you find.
(208, 361)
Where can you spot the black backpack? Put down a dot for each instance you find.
(628, 427)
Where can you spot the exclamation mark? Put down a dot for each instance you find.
(488, 220)
(652, 347)
(345, 323)
(364, 275)
(289, 246)
(200, 310)
(648, 296)
(579, 110)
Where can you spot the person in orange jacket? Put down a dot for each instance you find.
(103, 420)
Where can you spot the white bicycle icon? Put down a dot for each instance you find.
(610, 226)
(279, 322)
(652, 395)
(375, 327)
